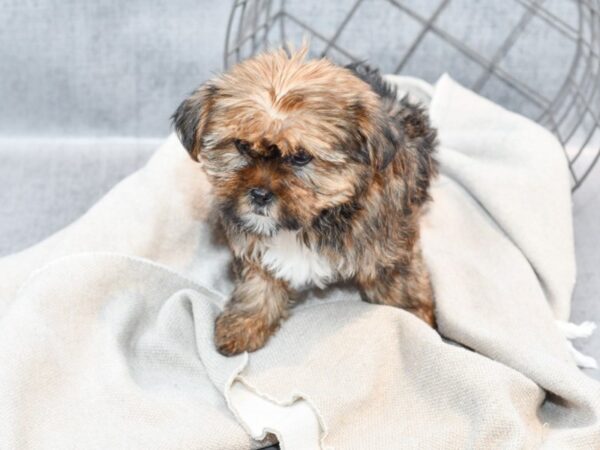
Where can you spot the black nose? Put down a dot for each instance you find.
(261, 196)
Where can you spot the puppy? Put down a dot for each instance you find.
(319, 174)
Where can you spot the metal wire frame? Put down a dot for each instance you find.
(572, 113)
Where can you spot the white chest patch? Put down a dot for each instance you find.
(289, 259)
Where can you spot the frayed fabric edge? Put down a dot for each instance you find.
(296, 423)
(573, 331)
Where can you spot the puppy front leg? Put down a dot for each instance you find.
(405, 285)
(257, 306)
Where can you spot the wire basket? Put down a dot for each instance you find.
(540, 58)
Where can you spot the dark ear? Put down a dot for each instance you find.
(380, 135)
(421, 144)
(386, 133)
(385, 141)
(192, 116)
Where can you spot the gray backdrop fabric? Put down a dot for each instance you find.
(103, 68)
(120, 68)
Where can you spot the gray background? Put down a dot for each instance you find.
(87, 88)
(103, 67)
(119, 68)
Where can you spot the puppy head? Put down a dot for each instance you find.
(283, 139)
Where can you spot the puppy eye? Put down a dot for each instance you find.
(300, 158)
(242, 146)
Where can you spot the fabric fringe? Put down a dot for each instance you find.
(573, 331)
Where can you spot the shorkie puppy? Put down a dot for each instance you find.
(319, 174)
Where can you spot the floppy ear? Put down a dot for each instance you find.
(384, 141)
(420, 142)
(192, 116)
(385, 135)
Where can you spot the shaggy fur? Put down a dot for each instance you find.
(320, 174)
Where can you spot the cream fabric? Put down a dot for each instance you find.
(106, 327)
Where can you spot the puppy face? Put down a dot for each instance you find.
(283, 139)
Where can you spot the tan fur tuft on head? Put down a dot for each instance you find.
(280, 98)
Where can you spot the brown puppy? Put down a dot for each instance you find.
(320, 174)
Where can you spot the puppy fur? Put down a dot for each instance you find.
(342, 168)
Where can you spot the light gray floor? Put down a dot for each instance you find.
(46, 184)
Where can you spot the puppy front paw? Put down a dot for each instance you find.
(239, 331)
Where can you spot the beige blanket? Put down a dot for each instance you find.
(106, 327)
